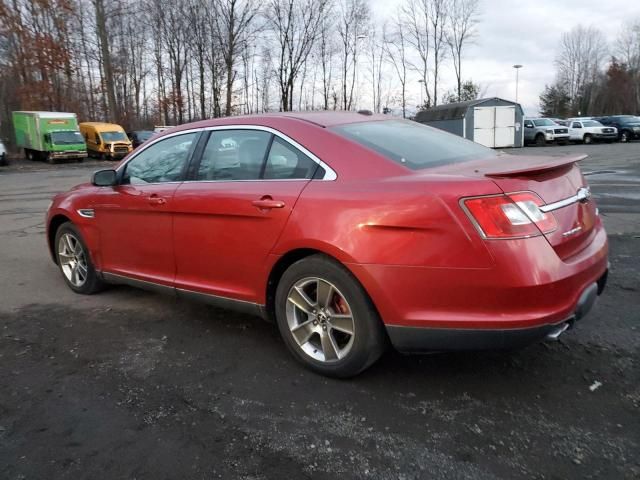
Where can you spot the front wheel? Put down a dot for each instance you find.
(326, 318)
(588, 139)
(624, 137)
(75, 263)
(540, 140)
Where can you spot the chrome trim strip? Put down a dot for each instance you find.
(329, 174)
(215, 300)
(583, 195)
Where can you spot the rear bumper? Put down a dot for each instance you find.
(527, 292)
(423, 340)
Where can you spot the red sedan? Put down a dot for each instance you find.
(349, 230)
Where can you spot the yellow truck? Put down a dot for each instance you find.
(105, 140)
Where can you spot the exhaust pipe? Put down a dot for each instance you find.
(556, 332)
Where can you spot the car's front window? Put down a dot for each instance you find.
(591, 123)
(113, 136)
(161, 162)
(66, 138)
(412, 144)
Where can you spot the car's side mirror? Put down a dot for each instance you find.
(104, 178)
(528, 126)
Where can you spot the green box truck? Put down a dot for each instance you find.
(49, 136)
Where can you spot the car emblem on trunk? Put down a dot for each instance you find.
(573, 231)
(584, 194)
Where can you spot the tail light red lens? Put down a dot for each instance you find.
(514, 215)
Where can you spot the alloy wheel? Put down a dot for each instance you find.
(73, 261)
(320, 319)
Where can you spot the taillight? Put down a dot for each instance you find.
(514, 215)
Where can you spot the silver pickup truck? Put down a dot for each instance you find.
(544, 130)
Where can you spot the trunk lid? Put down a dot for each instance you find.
(553, 179)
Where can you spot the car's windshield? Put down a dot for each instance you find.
(591, 123)
(66, 138)
(113, 136)
(543, 122)
(413, 145)
(630, 119)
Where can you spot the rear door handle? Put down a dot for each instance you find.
(155, 200)
(267, 203)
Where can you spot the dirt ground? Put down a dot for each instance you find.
(131, 384)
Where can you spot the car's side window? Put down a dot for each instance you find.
(576, 125)
(233, 155)
(287, 162)
(161, 162)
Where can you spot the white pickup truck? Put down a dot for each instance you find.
(588, 131)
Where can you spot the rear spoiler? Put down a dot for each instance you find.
(531, 164)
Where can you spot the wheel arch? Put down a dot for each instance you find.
(288, 259)
(54, 224)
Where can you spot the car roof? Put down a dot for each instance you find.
(322, 119)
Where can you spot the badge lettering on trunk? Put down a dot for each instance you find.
(573, 231)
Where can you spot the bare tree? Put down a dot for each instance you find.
(439, 19)
(582, 53)
(416, 18)
(352, 28)
(627, 48)
(105, 55)
(396, 52)
(463, 17)
(376, 52)
(235, 23)
(326, 52)
(295, 24)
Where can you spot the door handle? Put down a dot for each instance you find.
(267, 203)
(155, 200)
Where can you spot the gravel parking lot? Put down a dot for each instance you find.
(131, 384)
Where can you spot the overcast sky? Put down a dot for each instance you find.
(523, 32)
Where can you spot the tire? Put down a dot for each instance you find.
(30, 154)
(587, 139)
(540, 140)
(71, 251)
(323, 343)
(624, 136)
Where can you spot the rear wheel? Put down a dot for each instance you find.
(326, 318)
(74, 261)
(540, 140)
(30, 154)
(587, 139)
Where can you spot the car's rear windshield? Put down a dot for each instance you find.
(413, 145)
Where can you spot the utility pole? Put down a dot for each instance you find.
(517, 67)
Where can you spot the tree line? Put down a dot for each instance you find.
(145, 62)
(594, 77)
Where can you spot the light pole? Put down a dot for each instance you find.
(421, 81)
(517, 67)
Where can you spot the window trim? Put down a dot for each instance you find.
(120, 171)
(329, 173)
